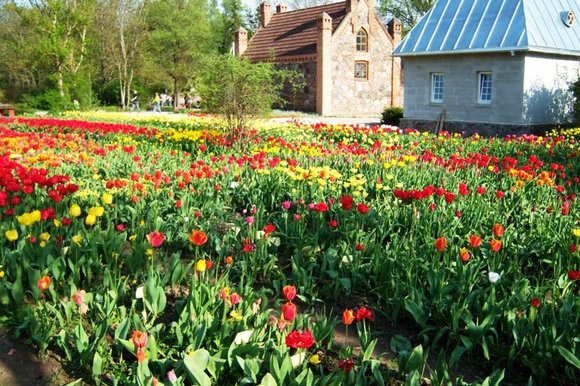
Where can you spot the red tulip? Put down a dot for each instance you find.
(269, 228)
(156, 239)
(346, 364)
(297, 339)
(289, 292)
(289, 311)
(441, 244)
(346, 202)
(364, 313)
(362, 208)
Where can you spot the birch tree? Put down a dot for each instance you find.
(121, 29)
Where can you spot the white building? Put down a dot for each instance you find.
(492, 66)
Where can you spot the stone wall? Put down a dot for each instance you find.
(361, 97)
(461, 87)
(303, 98)
(470, 128)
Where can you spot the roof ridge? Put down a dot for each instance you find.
(309, 9)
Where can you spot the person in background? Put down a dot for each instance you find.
(157, 103)
(135, 101)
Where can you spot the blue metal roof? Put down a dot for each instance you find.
(469, 26)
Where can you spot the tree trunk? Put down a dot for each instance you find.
(175, 96)
(60, 80)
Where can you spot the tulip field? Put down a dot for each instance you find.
(155, 251)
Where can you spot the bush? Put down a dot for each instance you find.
(49, 100)
(238, 90)
(392, 116)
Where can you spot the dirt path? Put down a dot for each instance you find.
(20, 365)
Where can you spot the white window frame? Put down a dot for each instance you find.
(437, 87)
(484, 91)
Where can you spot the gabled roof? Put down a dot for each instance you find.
(469, 26)
(292, 33)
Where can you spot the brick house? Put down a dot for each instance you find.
(343, 50)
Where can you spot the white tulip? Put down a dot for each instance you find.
(493, 277)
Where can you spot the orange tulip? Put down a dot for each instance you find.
(474, 241)
(464, 255)
(495, 245)
(198, 237)
(141, 356)
(43, 283)
(498, 230)
(348, 317)
(139, 339)
(441, 244)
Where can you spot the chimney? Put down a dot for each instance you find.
(352, 8)
(281, 8)
(265, 14)
(351, 5)
(395, 28)
(240, 41)
(324, 65)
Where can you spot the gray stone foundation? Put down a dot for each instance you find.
(470, 128)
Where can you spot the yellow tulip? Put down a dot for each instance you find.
(77, 239)
(11, 235)
(97, 211)
(90, 219)
(107, 199)
(315, 359)
(75, 210)
(200, 266)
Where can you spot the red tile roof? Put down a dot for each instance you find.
(292, 33)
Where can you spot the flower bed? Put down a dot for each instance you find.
(151, 254)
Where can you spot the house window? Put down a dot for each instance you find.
(437, 88)
(484, 88)
(361, 70)
(362, 40)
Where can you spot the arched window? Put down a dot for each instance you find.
(362, 40)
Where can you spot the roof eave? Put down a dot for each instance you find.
(555, 51)
(462, 51)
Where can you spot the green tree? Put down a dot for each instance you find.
(238, 90)
(233, 19)
(408, 11)
(62, 26)
(179, 36)
(19, 72)
(51, 39)
(119, 30)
